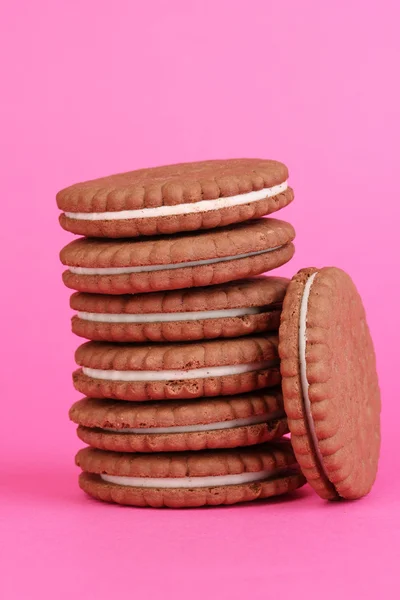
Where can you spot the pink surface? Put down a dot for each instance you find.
(91, 88)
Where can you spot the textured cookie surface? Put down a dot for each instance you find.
(227, 422)
(265, 470)
(173, 371)
(337, 445)
(228, 310)
(179, 261)
(175, 198)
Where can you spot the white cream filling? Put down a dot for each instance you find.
(254, 420)
(303, 368)
(149, 268)
(170, 317)
(182, 209)
(188, 482)
(169, 375)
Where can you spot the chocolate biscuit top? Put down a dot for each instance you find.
(255, 236)
(172, 184)
(178, 356)
(104, 413)
(272, 456)
(257, 291)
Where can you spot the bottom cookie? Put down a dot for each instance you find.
(190, 479)
(189, 498)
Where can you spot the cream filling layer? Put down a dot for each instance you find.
(303, 368)
(254, 420)
(182, 209)
(169, 375)
(170, 317)
(149, 268)
(188, 482)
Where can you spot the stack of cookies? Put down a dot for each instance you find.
(183, 404)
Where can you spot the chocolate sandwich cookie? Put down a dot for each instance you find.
(183, 197)
(228, 310)
(171, 426)
(330, 385)
(179, 261)
(172, 371)
(190, 479)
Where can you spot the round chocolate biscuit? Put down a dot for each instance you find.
(175, 198)
(179, 261)
(140, 372)
(190, 479)
(330, 385)
(180, 425)
(228, 310)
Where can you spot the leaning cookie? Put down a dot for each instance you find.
(190, 479)
(180, 261)
(140, 372)
(172, 426)
(228, 310)
(330, 385)
(184, 197)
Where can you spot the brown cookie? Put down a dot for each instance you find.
(208, 423)
(184, 197)
(330, 384)
(173, 371)
(180, 261)
(228, 310)
(189, 479)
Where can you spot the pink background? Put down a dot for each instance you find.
(93, 87)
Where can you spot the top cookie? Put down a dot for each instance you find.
(175, 198)
(329, 383)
